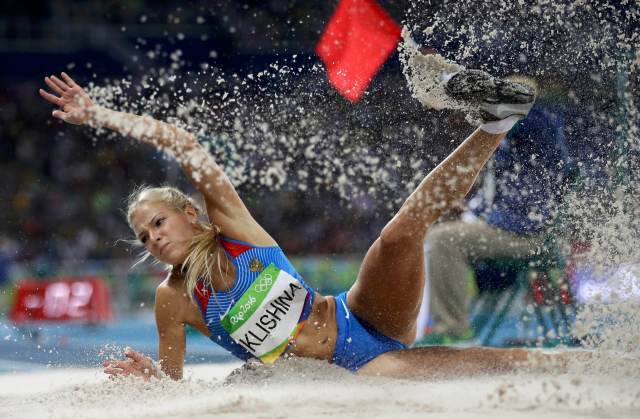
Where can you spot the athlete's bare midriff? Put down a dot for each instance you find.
(318, 337)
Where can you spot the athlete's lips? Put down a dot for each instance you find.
(164, 246)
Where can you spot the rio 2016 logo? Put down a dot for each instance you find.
(239, 316)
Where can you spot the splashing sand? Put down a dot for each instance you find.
(424, 73)
(313, 389)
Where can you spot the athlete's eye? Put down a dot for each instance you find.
(159, 222)
(143, 239)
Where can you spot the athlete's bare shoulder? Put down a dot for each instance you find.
(173, 305)
(171, 296)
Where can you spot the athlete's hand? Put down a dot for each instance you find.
(135, 364)
(75, 105)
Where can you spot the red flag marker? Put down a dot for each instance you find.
(356, 42)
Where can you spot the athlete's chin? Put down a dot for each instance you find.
(173, 257)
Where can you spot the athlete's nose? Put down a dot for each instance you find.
(154, 235)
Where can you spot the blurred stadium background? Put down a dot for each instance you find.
(61, 194)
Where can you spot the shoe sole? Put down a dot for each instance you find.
(497, 111)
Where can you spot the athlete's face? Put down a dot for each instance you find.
(165, 232)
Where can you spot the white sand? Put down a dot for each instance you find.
(311, 389)
(424, 75)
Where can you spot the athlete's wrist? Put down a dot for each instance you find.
(96, 116)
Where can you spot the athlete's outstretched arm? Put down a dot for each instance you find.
(224, 206)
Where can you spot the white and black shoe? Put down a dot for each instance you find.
(496, 99)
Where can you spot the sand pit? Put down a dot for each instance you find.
(312, 389)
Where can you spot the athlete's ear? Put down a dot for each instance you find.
(191, 213)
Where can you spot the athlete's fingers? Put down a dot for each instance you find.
(53, 86)
(63, 116)
(116, 372)
(111, 362)
(51, 98)
(121, 363)
(60, 83)
(68, 79)
(125, 367)
(136, 364)
(136, 356)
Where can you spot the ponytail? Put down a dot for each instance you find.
(204, 255)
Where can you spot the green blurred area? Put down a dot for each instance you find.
(330, 275)
(6, 298)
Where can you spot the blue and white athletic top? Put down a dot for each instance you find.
(265, 308)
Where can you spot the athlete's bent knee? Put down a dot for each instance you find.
(393, 237)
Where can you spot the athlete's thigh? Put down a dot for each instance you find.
(388, 291)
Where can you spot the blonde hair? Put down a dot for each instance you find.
(200, 261)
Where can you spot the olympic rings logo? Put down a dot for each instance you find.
(264, 283)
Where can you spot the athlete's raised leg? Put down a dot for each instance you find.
(388, 291)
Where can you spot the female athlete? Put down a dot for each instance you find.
(230, 280)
